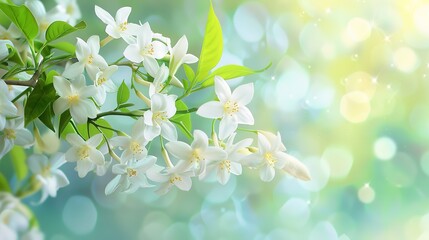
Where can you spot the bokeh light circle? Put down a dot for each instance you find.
(384, 148)
(355, 107)
(366, 194)
(405, 59)
(80, 215)
(339, 160)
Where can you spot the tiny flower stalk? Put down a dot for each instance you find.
(105, 41)
(142, 97)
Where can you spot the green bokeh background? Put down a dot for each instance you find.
(345, 76)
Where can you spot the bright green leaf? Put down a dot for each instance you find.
(39, 99)
(104, 127)
(63, 46)
(14, 56)
(22, 17)
(230, 72)
(19, 161)
(211, 51)
(184, 118)
(50, 77)
(60, 29)
(4, 184)
(190, 74)
(123, 94)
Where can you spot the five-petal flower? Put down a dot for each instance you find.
(84, 153)
(74, 95)
(231, 107)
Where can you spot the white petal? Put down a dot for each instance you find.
(62, 86)
(60, 106)
(296, 168)
(160, 49)
(132, 53)
(74, 70)
(75, 140)
(227, 126)
(236, 168)
(122, 14)
(179, 150)
(223, 176)
(263, 143)
(94, 44)
(244, 116)
(23, 137)
(185, 184)
(200, 140)
(180, 49)
(104, 16)
(168, 131)
(267, 173)
(212, 109)
(112, 185)
(215, 153)
(151, 66)
(223, 91)
(35, 163)
(189, 59)
(243, 94)
(150, 132)
(83, 167)
(95, 140)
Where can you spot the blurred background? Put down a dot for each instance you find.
(349, 92)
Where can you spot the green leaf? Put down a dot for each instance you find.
(184, 118)
(14, 56)
(46, 118)
(50, 77)
(83, 129)
(123, 94)
(190, 74)
(125, 105)
(39, 99)
(22, 17)
(230, 72)
(19, 161)
(63, 46)
(64, 121)
(4, 184)
(60, 29)
(211, 51)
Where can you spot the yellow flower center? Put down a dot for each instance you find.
(230, 107)
(69, 9)
(83, 153)
(271, 160)
(44, 26)
(196, 155)
(148, 50)
(175, 178)
(90, 59)
(46, 171)
(101, 80)
(136, 147)
(131, 172)
(9, 133)
(159, 116)
(123, 26)
(73, 99)
(225, 164)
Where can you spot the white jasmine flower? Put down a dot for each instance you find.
(84, 153)
(11, 33)
(118, 27)
(157, 122)
(33, 234)
(180, 56)
(87, 54)
(231, 163)
(131, 176)
(169, 178)
(103, 83)
(271, 156)
(7, 109)
(48, 142)
(69, 9)
(160, 75)
(133, 147)
(145, 47)
(195, 156)
(231, 107)
(74, 95)
(14, 133)
(48, 173)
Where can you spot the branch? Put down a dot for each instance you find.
(29, 83)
